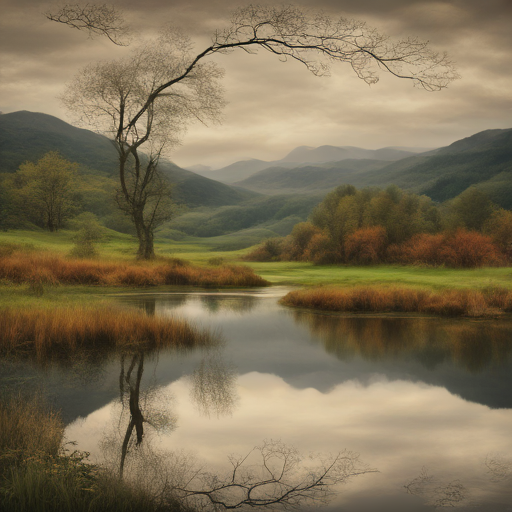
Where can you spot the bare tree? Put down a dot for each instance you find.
(161, 89)
(112, 97)
(96, 19)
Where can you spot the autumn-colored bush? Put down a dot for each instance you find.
(423, 249)
(461, 249)
(469, 249)
(43, 269)
(269, 250)
(366, 246)
(320, 250)
(299, 239)
(406, 300)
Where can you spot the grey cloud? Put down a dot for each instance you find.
(274, 107)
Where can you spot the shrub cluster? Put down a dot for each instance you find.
(370, 226)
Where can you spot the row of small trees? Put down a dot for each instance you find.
(372, 226)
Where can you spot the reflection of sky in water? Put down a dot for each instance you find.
(403, 393)
(397, 427)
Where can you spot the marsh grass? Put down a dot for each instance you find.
(37, 475)
(43, 269)
(488, 302)
(69, 330)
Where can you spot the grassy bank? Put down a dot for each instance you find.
(308, 274)
(120, 250)
(488, 302)
(41, 268)
(37, 475)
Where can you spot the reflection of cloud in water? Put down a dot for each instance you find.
(471, 344)
(397, 427)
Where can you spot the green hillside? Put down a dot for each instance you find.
(483, 160)
(29, 135)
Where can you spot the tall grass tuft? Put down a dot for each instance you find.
(21, 267)
(403, 300)
(67, 330)
(36, 475)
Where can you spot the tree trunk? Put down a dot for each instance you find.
(146, 249)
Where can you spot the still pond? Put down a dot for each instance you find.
(427, 402)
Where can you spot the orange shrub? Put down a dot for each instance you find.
(422, 248)
(469, 249)
(319, 250)
(366, 246)
(466, 249)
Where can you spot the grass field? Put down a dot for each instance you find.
(307, 274)
(200, 250)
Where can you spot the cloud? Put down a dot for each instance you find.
(274, 107)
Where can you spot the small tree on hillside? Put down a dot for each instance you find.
(47, 190)
(148, 99)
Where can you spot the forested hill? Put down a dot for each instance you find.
(483, 160)
(29, 135)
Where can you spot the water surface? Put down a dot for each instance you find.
(425, 401)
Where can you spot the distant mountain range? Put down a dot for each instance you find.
(303, 156)
(29, 135)
(483, 160)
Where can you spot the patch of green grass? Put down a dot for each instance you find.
(21, 296)
(298, 273)
(199, 250)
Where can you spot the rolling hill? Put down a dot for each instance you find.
(29, 135)
(483, 160)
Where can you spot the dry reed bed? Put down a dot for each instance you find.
(488, 302)
(69, 330)
(50, 269)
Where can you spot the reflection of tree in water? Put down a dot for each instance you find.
(238, 304)
(214, 386)
(437, 494)
(267, 475)
(499, 467)
(441, 493)
(473, 345)
(148, 304)
(213, 391)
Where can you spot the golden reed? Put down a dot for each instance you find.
(41, 331)
(488, 302)
(50, 269)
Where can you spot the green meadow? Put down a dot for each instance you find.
(205, 251)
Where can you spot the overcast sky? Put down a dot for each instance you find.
(272, 106)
